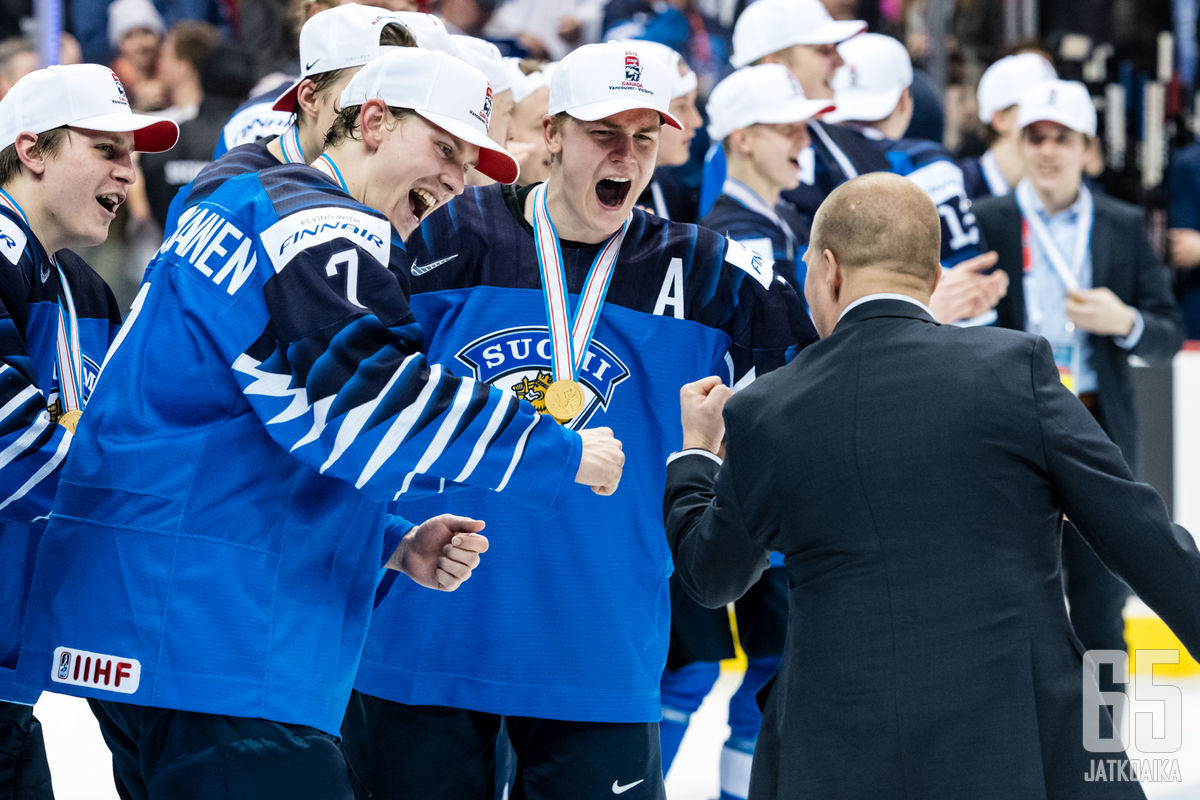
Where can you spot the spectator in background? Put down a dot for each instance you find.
(185, 48)
(19, 57)
(546, 28)
(88, 19)
(1183, 216)
(135, 31)
(1002, 166)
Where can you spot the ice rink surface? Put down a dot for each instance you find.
(82, 768)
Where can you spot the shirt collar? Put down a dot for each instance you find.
(884, 296)
(1068, 214)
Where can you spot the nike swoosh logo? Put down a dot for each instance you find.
(619, 789)
(309, 65)
(421, 270)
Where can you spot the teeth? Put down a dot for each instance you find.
(616, 180)
(425, 196)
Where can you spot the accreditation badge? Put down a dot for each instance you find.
(1066, 358)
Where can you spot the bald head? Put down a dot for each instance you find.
(881, 222)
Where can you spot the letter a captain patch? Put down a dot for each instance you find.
(96, 670)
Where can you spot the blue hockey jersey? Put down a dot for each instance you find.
(32, 445)
(219, 530)
(777, 232)
(240, 160)
(928, 165)
(570, 618)
(254, 119)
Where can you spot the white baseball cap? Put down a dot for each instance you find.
(337, 38)
(769, 26)
(1003, 83)
(1065, 102)
(86, 96)
(443, 89)
(427, 30)
(868, 86)
(599, 80)
(485, 57)
(681, 84)
(127, 15)
(764, 93)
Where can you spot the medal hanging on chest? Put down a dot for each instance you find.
(569, 338)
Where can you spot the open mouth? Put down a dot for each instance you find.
(421, 202)
(611, 192)
(110, 202)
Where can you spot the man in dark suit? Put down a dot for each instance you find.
(1097, 302)
(914, 477)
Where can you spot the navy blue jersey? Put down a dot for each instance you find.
(931, 167)
(240, 160)
(254, 119)
(570, 619)
(219, 532)
(669, 197)
(770, 232)
(32, 445)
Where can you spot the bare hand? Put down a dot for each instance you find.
(965, 292)
(1185, 247)
(1099, 311)
(441, 552)
(602, 462)
(569, 29)
(534, 47)
(701, 403)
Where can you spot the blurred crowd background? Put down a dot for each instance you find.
(197, 60)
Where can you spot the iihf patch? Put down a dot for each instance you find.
(96, 670)
(519, 360)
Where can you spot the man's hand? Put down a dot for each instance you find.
(1099, 311)
(440, 552)
(602, 462)
(701, 403)
(964, 292)
(1185, 247)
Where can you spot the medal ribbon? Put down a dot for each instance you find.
(570, 340)
(293, 153)
(1068, 274)
(325, 164)
(69, 356)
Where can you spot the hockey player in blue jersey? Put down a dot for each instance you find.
(565, 294)
(759, 115)
(873, 97)
(334, 45)
(221, 528)
(66, 139)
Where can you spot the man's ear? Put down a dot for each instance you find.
(372, 122)
(31, 159)
(306, 99)
(834, 277)
(552, 135)
(738, 140)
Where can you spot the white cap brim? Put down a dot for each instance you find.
(590, 112)
(800, 109)
(150, 134)
(832, 32)
(1053, 115)
(864, 106)
(494, 161)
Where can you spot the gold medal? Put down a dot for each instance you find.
(70, 419)
(564, 400)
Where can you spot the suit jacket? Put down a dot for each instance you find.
(913, 476)
(1121, 260)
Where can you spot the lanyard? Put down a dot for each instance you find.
(289, 141)
(570, 339)
(750, 199)
(325, 164)
(660, 202)
(843, 161)
(68, 355)
(1031, 223)
(992, 176)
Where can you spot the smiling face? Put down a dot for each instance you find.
(80, 188)
(813, 65)
(774, 153)
(1054, 156)
(598, 170)
(417, 168)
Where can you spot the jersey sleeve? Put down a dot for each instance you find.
(769, 325)
(32, 447)
(338, 377)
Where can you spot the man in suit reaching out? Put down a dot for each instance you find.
(918, 505)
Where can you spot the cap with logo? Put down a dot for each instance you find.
(1065, 102)
(766, 93)
(598, 80)
(445, 90)
(86, 96)
(769, 26)
(868, 86)
(1003, 83)
(683, 82)
(337, 38)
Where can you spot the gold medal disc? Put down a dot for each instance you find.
(70, 419)
(564, 400)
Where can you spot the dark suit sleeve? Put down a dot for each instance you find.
(715, 557)
(1124, 521)
(1163, 335)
